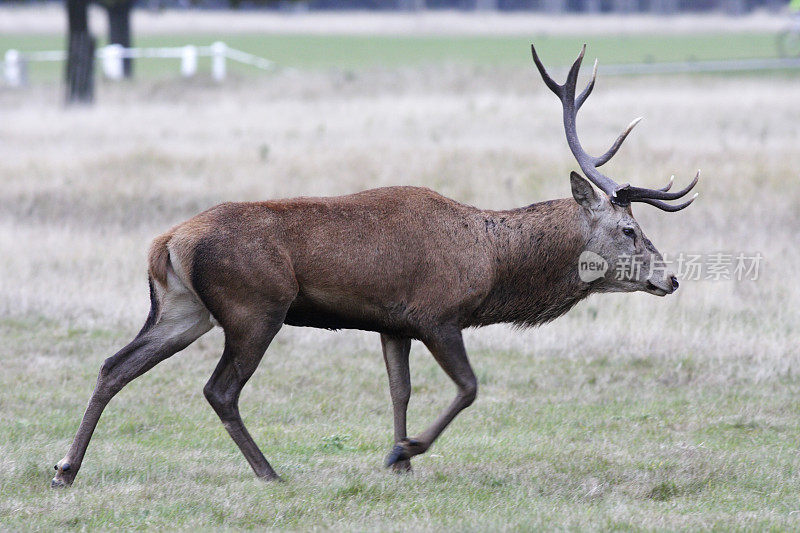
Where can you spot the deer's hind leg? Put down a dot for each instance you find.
(177, 319)
(244, 348)
(249, 295)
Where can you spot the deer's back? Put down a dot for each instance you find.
(389, 259)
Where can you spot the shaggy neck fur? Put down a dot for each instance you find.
(536, 250)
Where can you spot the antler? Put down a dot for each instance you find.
(619, 194)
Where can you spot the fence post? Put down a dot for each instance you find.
(189, 61)
(218, 50)
(113, 66)
(14, 68)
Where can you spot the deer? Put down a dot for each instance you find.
(404, 262)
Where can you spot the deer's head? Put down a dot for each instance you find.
(632, 262)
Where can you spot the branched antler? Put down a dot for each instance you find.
(619, 194)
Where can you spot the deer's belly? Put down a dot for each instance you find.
(346, 311)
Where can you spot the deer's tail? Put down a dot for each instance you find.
(158, 260)
(157, 268)
(169, 267)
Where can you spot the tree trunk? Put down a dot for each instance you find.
(119, 31)
(80, 54)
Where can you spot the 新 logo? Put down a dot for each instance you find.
(591, 266)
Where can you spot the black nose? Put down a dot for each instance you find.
(675, 283)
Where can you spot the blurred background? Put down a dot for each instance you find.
(121, 119)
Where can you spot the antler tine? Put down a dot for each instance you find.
(668, 207)
(572, 79)
(562, 90)
(566, 94)
(669, 185)
(635, 194)
(603, 159)
(550, 82)
(588, 90)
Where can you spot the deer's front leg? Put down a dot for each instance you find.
(447, 348)
(395, 355)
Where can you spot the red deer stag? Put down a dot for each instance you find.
(401, 261)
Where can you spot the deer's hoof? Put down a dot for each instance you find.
(397, 454)
(403, 451)
(56, 483)
(64, 475)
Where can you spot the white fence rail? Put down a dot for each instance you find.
(15, 63)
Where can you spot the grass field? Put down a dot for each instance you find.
(631, 412)
(388, 52)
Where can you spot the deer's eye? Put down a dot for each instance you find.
(629, 232)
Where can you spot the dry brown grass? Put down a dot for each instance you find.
(85, 189)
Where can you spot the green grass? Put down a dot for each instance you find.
(352, 52)
(590, 442)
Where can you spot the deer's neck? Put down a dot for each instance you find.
(536, 263)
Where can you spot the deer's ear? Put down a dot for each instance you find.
(583, 192)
